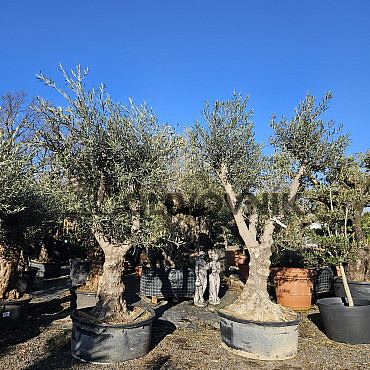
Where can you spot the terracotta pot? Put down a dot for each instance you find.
(138, 270)
(293, 287)
(143, 257)
(241, 259)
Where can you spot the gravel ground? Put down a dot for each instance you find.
(183, 337)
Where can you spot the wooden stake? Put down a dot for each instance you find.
(346, 287)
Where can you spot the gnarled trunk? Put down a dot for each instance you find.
(95, 256)
(9, 258)
(111, 307)
(254, 302)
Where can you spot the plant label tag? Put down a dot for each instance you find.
(6, 314)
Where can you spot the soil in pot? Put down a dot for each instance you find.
(104, 344)
(344, 323)
(259, 340)
(13, 313)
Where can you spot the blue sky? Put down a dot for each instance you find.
(177, 54)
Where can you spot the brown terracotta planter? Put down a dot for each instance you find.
(138, 270)
(293, 287)
(143, 257)
(241, 259)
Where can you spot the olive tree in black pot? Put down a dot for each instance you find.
(345, 316)
(113, 157)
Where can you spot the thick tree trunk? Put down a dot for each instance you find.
(111, 307)
(9, 258)
(254, 302)
(95, 256)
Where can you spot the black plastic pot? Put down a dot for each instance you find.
(343, 323)
(159, 282)
(358, 289)
(78, 271)
(26, 280)
(46, 270)
(80, 299)
(259, 340)
(13, 313)
(104, 344)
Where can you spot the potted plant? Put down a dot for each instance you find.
(340, 198)
(46, 265)
(254, 326)
(294, 265)
(114, 159)
(345, 317)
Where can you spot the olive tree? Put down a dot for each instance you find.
(304, 144)
(25, 205)
(113, 156)
(346, 187)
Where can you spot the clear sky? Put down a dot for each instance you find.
(177, 54)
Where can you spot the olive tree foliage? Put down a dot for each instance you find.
(227, 144)
(342, 196)
(195, 206)
(26, 207)
(114, 157)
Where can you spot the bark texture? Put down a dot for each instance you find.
(9, 258)
(254, 302)
(111, 307)
(95, 256)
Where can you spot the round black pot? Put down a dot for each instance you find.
(104, 344)
(358, 289)
(26, 280)
(80, 299)
(13, 313)
(78, 271)
(46, 270)
(343, 323)
(259, 340)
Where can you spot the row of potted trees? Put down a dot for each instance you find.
(114, 163)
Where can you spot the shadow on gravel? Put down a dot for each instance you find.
(59, 354)
(160, 329)
(40, 315)
(160, 363)
(316, 319)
